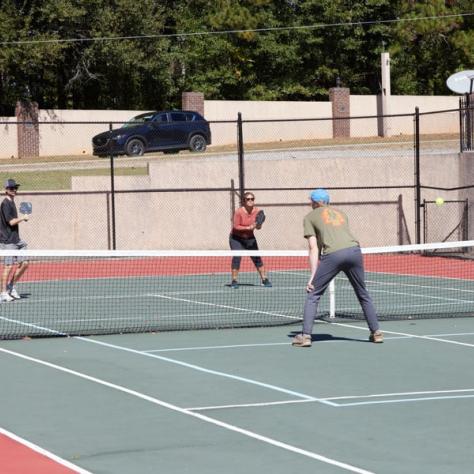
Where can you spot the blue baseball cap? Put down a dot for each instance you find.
(320, 195)
(11, 183)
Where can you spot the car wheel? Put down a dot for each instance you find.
(197, 143)
(135, 147)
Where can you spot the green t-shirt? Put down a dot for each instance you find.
(331, 229)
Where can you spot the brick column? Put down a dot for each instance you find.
(193, 101)
(340, 98)
(28, 132)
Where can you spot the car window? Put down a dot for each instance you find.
(178, 117)
(160, 118)
(142, 118)
(191, 117)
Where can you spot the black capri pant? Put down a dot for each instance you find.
(238, 243)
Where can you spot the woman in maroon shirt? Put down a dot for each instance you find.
(242, 237)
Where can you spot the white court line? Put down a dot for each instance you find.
(451, 334)
(428, 338)
(207, 419)
(233, 346)
(351, 397)
(403, 400)
(214, 305)
(247, 405)
(43, 452)
(398, 284)
(270, 344)
(458, 300)
(400, 394)
(203, 369)
(35, 326)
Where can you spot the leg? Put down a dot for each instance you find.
(235, 264)
(328, 268)
(5, 275)
(21, 268)
(5, 296)
(355, 273)
(258, 262)
(19, 272)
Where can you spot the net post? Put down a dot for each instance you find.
(332, 299)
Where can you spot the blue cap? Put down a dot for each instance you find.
(320, 195)
(11, 183)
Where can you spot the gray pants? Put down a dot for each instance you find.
(350, 262)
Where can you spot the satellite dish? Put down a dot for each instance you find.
(461, 82)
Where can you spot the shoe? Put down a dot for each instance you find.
(12, 292)
(6, 298)
(234, 285)
(301, 340)
(267, 283)
(376, 337)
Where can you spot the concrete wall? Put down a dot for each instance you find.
(201, 220)
(8, 137)
(58, 139)
(430, 124)
(75, 138)
(216, 110)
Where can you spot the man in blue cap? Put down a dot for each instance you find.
(330, 239)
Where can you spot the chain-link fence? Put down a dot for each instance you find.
(384, 171)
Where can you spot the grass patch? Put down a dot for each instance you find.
(54, 180)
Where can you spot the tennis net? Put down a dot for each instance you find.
(108, 292)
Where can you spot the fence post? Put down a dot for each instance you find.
(418, 203)
(240, 144)
(232, 200)
(468, 127)
(400, 219)
(112, 195)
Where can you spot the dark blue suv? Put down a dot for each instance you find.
(167, 131)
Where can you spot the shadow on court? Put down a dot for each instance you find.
(327, 337)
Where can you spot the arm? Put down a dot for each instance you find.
(10, 214)
(17, 220)
(313, 254)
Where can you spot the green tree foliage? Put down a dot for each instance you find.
(61, 53)
(425, 53)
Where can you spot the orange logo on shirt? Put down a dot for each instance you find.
(332, 217)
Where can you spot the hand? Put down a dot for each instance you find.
(252, 226)
(309, 287)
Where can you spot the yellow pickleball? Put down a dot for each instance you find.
(439, 201)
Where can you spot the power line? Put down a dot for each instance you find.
(227, 32)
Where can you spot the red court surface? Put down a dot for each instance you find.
(18, 458)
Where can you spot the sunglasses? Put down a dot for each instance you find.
(12, 189)
(250, 199)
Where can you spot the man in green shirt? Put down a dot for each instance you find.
(329, 238)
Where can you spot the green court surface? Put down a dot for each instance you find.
(244, 400)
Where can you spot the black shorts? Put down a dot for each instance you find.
(238, 243)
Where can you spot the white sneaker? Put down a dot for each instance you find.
(13, 293)
(5, 298)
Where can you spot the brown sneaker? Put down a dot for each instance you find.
(301, 340)
(376, 337)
